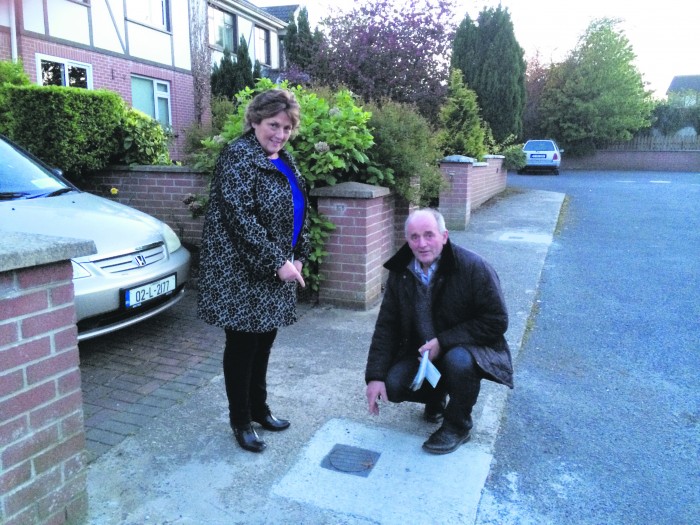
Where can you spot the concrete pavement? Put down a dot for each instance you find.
(336, 464)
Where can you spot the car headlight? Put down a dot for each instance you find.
(78, 271)
(171, 239)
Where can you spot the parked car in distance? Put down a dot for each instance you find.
(140, 268)
(541, 155)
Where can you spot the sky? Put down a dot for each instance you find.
(665, 36)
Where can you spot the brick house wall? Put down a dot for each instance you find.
(42, 438)
(114, 73)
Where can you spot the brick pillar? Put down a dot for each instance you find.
(455, 204)
(42, 438)
(352, 273)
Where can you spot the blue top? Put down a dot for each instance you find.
(297, 196)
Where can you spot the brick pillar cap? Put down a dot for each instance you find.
(23, 250)
(352, 190)
(458, 159)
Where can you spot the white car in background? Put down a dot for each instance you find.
(140, 268)
(542, 155)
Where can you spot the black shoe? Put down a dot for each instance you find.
(270, 422)
(445, 440)
(247, 438)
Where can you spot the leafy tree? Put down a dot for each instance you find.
(300, 44)
(492, 63)
(389, 49)
(11, 74)
(535, 79)
(596, 95)
(463, 129)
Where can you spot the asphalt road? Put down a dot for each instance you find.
(603, 425)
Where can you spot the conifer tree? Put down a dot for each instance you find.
(492, 63)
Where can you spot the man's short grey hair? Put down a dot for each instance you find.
(438, 218)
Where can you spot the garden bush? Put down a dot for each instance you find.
(406, 147)
(141, 140)
(69, 128)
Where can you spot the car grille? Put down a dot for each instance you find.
(143, 256)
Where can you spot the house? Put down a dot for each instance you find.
(157, 54)
(685, 88)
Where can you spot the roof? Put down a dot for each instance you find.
(684, 82)
(283, 12)
(259, 11)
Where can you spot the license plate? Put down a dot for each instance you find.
(538, 156)
(138, 295)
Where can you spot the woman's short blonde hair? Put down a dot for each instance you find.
(270, 103)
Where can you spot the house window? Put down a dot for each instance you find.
(262, 45)
(154, 13)
(53, 71)
(152, 97)
(222, 30)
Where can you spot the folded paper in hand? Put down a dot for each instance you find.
(426, 370)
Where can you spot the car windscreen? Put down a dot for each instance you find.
(539, 145)
(23, 178)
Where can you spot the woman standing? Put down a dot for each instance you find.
(254, 242)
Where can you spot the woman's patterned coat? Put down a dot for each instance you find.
(247, 236)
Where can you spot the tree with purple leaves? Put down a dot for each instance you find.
(396, 49)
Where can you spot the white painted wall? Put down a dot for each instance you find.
(33, 15)
(148, 44)
(106, 34)
(68, 21)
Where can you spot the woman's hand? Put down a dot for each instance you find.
(289, 272)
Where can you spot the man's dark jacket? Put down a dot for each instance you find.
(468, 310)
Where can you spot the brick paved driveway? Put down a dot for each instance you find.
(131, 376)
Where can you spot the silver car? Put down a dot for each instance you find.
(542, 155)
(140, 268)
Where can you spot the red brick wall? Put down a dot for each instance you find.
(114, 73)
(42, 439)
(469, 186)
(158, 191)
(667, 161)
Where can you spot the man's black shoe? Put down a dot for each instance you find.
(270, 422)
(247, 438)
(445, 440)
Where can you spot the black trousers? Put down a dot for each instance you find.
(245, 373)
(460, 379)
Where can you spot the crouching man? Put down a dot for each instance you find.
(445, 300)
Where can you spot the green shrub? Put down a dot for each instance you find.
(70, 128)
(514, 157)
(406, 147)
(332, 142)
(141, 140)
